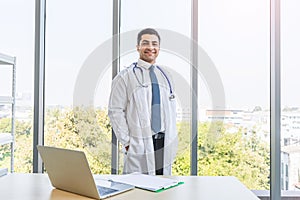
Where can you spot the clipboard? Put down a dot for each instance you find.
(147, 182)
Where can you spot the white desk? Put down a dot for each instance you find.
(37, 187)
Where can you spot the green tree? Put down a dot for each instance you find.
(23, 145)
(229, 154)
(85, 129)
(220, 153)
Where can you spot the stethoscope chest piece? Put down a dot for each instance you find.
(171, 97)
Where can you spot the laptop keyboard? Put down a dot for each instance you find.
(104, 190)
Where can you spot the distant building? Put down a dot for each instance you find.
(290, 167)
(227, 116)
(24, 99)
(183, 114)
(284, 174)
(290, 127)
(256, 120)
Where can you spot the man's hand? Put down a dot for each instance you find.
(126, 148)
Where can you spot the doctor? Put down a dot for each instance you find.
(142, 111)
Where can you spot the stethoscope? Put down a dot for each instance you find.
(142, 84)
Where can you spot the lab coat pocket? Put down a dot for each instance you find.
(134, 159)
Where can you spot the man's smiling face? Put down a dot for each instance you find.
(148, 48)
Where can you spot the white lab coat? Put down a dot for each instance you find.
(130, 115)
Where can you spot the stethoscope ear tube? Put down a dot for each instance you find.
(142, 84)
(169, 83)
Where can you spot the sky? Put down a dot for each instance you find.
(233, 33)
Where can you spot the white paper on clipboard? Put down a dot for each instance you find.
(147, 182)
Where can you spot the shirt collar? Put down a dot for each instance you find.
(144, 64)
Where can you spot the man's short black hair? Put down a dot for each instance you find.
(149, 31)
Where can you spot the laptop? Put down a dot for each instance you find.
(69, 170)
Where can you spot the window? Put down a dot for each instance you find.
(173, 29)
(17, 39)
(234, 138)
(290, 107)
(77, 80)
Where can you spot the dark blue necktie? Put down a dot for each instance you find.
(155, 108)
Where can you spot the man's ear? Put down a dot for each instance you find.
(137, 47)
